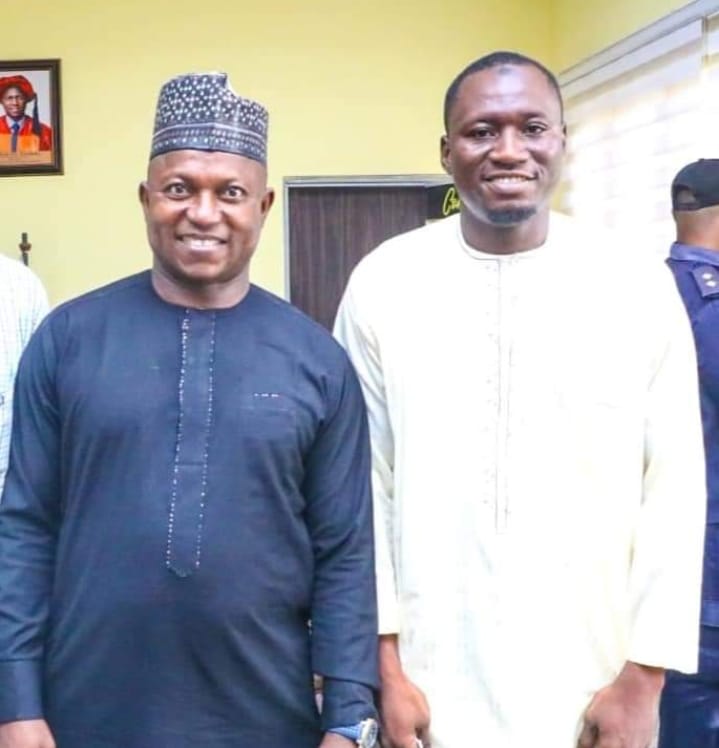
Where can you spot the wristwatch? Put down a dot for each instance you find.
(364, 733)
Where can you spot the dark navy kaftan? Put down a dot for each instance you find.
(187, 489)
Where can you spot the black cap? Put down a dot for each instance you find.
(696, 186)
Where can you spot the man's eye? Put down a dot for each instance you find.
(176, 189)
(234, 192)
(482, 133)
(535, 128)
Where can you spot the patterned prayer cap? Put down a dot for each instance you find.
(201, 112)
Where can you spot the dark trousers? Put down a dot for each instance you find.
(689, 712)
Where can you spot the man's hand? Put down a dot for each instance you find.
(28, 733)
(404, 711)
(624, 714)
(405, 714)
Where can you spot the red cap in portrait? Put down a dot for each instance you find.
(20, 82)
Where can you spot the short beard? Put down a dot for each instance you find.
(510, 216)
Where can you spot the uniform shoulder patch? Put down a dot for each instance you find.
(707, 280)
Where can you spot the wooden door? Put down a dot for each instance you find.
(331, 227)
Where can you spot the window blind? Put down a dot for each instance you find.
(635, 118)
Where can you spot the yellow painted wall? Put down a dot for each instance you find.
(583, 28)
(352, 87)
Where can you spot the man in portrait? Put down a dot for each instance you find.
(21, 133)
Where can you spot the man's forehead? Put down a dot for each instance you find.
(509, 87)
(190, 162)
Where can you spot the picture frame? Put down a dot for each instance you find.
(30, 118)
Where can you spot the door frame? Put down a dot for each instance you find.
(378, 180)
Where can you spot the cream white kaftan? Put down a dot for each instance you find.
(538, 473)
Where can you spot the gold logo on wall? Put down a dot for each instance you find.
(451, 203)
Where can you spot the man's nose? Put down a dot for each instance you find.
(509, 147)
(204, 209)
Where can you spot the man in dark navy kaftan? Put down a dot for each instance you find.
(185, 533)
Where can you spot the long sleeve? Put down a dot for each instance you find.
(666, 570)
(358, 339)
(39, 303)
(23, 304)
(339, 518)
(32, 306)
(29, 517)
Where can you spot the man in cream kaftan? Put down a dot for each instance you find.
(533, 452)
(538, 473)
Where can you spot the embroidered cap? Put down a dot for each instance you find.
(201, 112)
(696, 186)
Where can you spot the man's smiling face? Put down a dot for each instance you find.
(204, 211)
(504, 144)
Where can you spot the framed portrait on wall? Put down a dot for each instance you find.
(30, 119)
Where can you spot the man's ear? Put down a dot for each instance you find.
(444, 154)
(142, 194)
(267, 202)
